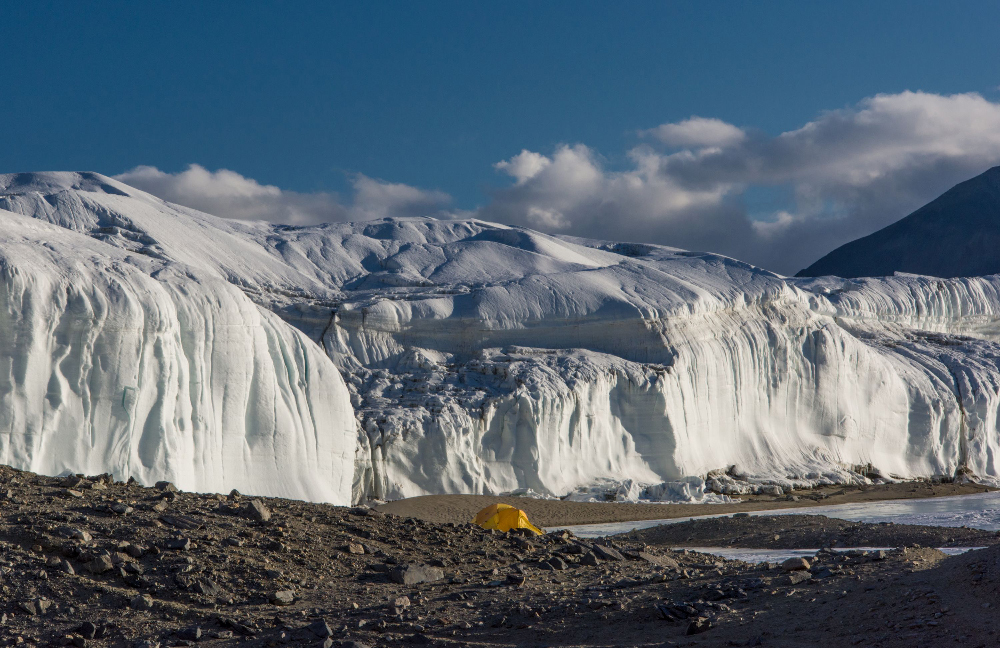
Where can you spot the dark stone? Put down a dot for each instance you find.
(607, 553)
(88, 630)
(207, 587)
(142, 602)
(36, 606)
(167, 487)
(256, 510)
(190, 634)
(796, 577)
(699, 625)
(101, 564)
(590, 559)
(177, 544)
(182, 522)
(320, 628)
(516, 579)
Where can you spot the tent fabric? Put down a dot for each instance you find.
(504, 517)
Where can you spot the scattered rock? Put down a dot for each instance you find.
(320, 628)
(74, 533)
(189, 634)
(516, 579)
(120, 509)
(607, 553)
(142, 602)
(281, 597)
(36, 606)
(414, 574)
(662, 561)
(165, 486)
(206, 587)
(796, 577)
(699, 625)
(256, 510)
(101, 564)
(795, 564)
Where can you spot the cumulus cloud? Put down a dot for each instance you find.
(230, 195)
(524, 166)
(848, 172)
(379, 199)
(697, 132)
(690, 184)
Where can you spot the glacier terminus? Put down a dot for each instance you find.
(410, 356)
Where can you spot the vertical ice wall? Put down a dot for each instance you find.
(479, 357)
(781, 389)
(123, 363)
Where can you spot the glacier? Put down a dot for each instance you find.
(411, 356)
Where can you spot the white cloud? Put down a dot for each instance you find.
(228, 194)
(231, 195)
(697, 132)
(379, 199)
(524, 166)
(848, 172)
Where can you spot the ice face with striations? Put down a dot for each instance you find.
(157, 341)
(113, 357)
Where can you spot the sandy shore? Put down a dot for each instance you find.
(462, 508)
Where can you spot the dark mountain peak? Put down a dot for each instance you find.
(955, 235)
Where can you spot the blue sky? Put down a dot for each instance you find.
(432, 95)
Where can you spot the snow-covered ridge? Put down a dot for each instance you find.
(484, 358)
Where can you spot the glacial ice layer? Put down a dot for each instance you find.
(113, 361)
(156, 341)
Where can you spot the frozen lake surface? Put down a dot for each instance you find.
(980, 511)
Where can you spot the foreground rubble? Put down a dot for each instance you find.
(91, 562)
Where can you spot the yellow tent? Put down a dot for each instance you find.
(504, 517)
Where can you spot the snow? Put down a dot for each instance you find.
(476, 358)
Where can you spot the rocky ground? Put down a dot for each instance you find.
(91, 562)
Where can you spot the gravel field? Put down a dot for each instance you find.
(91, 562)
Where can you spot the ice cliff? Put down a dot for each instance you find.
(409, 356)
(116, 358)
